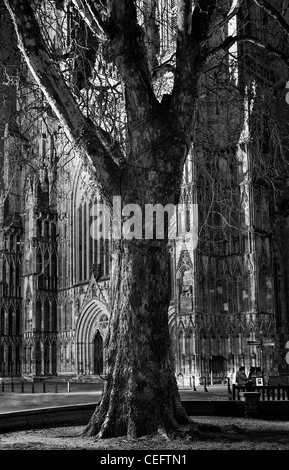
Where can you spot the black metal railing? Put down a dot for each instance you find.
(267, 392)
(49, 387)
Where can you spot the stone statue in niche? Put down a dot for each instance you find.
(187, 284)
(187, 291)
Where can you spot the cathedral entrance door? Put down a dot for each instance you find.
(98, 353)
(218, 369)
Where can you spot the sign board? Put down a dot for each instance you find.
(254, 343)
(259, 381)
(268, 343)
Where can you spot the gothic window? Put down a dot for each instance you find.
(18, 243)
(46, 270)
(11, 279)
(246, 293)
(265, 289)
(237, 294)
(53, 231)
(90, 235)
(182, 342)
(80, 242)
(38, 228)
(10, 359)
(38, 319)
(10, 321)
(219, 295)
(11, 242)
(212, 297)
(65, 316)
(18, 318)
(202, 294)
(39, 262)
(5, 278)
(46, 314)
(46, 359)
(46, 228)
(92, 250)
(85, 227)
(53, 316)
(53, 270)
(17, 280)
(225, 305)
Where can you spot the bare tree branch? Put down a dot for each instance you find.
(79, 129)
(92, 18)
(230, 40)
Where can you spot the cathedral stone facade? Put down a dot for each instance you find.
(229, 263)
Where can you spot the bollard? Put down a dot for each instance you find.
(205, 384)
(55, 387)
(194, 384)
(32, 391)
(229, 385)
(43, 387)
(22, 387)
(68, 387)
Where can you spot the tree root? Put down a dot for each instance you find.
(206, 431)
(162, 432)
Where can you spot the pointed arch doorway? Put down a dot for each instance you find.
(98, 354)
(91, 332)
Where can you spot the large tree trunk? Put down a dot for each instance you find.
(141, 394)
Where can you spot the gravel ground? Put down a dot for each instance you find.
(237, 434)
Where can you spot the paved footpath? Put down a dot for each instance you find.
(15, 401)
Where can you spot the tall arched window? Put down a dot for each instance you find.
(39, 228)
(10, 321)
(18, 320)
(80, 244)
(54, 316)
(265, 289)
(38, 319)
(92, 250)
(46, 315)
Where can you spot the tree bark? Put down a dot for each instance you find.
(141, 395)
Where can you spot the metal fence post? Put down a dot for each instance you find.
(229, 385)
(194, 384)
(205, 384)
